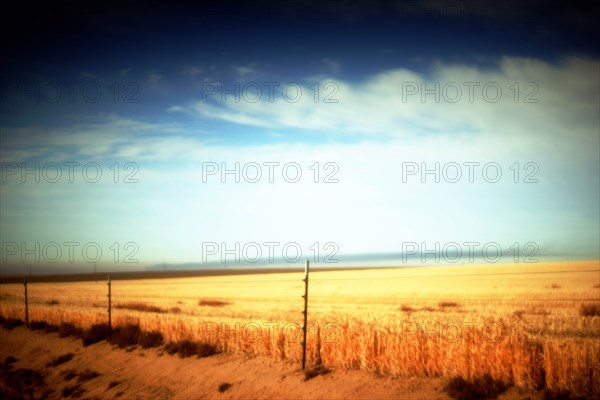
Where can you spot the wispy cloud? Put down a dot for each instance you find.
(90, 139)
(451, 100)
(333, 65)
(244, 70)
(153, 77)
(191, 70)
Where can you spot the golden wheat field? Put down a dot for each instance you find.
(521, 323)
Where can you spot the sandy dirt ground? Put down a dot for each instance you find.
(153, 374)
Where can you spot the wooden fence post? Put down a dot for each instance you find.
(305, 314)
(109, 309)
(26, 303)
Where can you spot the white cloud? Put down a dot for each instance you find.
(153, 78)
(191, 70)
(333, 65)
(95, 138)
(384, 106)
(243, 70)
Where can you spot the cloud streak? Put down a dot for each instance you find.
(450, 99)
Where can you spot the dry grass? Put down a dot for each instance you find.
(87, 375)
(22, 383)
(95, 334)
(60, 360)
(223, 387)
(42, 325)
(67, 329)
(75, 390)
(11, 323)
(150, 339)
(212, 303)
(396, 322)
(139, 306)
(590, 310)
(112, 384)
(555, 286)
(188, 348)
(315, 371)
(126, 335)
(447, 304)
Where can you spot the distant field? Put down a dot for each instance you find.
(531, 325)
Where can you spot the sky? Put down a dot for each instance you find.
(258, 133)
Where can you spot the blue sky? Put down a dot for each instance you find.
(367, 94)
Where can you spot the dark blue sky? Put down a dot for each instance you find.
(61, 43)
(64, 39)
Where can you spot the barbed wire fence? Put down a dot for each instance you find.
(109, 294)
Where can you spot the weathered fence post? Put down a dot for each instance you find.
(26, 303)
(109, 304)
(305, 314)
